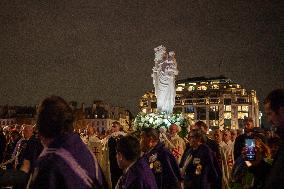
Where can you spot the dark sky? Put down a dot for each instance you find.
(85, 50)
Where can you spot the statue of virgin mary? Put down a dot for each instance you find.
(164, 73)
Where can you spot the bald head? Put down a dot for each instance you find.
(90, 130)
(27, 131)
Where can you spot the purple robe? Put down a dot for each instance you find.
(164, 166)
(201, 173)
(139, 176)
(53, 171)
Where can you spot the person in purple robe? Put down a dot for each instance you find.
(198, 166)
(136, 172)
(65, 161)
(162, 162)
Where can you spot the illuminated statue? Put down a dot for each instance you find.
(164, 73)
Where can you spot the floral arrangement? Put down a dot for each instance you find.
(160, 121)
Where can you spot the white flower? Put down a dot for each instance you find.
(143, 119)
(159, 121)
(151, 120)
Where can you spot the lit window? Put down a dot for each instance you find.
(239, 108)
(144, 110)
(203, 88)
(245, 108)
(227, 115)
(179, 89)
(191, 88)
(215, 86)
(242, 115)
(214, 108)
(227, 108)
(214, 123)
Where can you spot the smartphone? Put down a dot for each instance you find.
(250, 149)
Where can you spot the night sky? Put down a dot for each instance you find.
(86, 50)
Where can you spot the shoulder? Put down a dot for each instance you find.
(212, 145)
(205, 149)
(48, 157)
(141, 173)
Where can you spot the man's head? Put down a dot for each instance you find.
(27, 131)
(233, 135)
(149, 139)
(202, 126)
(55, 117)
(128, 151)
(174, 129)
(90, 130)
(249, 125)
(196, 137)
(226, 135)
(218, 136)
(115, 127)
(274, 107)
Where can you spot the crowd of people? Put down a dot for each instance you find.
(53, 155)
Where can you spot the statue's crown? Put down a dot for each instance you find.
(160, 48)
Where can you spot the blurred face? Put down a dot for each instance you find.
(248, 126)
(90, 130)
(173, 129)
(27, 132)
(226, 136)
(275, 118)
(218, 136)
(202, 128)
(115, 127)
(193, 141)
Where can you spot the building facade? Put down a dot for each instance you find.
(101, 115)
(13, 115)
(218, 101)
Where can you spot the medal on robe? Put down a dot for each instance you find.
(153, 158)
(157, 167)
(198, 169)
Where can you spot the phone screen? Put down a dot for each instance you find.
(250, 149)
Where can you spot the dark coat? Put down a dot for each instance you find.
(115, 171)
(201, 172)
(164, 166)
(139, 176)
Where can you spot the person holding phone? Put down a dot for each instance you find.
(252, 166)
(240, 140)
